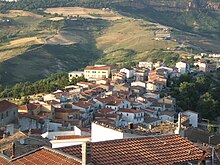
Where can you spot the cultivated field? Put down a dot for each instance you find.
(25, 41)
(20, 13)
(84, 13)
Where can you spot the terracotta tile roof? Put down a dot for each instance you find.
(82, 104)
(6, 105)
(130, 110)
(84, 129)
(29, 107)
(110, 122)
(43, 156)
(67, 110)
(33, 131)
(3, 161)
(97, 68)
(111, 115)
(106, 110)
(71, 137)
(149, 150)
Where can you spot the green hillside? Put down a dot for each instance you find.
(35, 44)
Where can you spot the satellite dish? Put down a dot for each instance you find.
(21, 141)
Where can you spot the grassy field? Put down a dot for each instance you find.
(130, 39)
(84, 13)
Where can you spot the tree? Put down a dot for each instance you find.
(208, 107)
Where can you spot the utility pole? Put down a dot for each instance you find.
(213, 151)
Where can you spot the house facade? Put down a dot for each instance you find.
(8, 112)
(97, 71)
(132, 115)
(129, 72)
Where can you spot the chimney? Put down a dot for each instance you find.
(13, 151)
(87, 153)
(178, 129)
(130, 125)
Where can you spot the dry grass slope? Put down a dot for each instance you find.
(84, 13)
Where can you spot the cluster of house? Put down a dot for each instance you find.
(130, 95)
(204, 62)
(123, 106)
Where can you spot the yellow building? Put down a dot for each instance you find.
(97, 71)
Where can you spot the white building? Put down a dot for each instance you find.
(138, 83)
(131, 115)
(193, 117)
(129, 72)
(104, 132)
(167, 116)
(97, 71)
(152, 95)
(148, 65)
(154, 86)
(183, 67)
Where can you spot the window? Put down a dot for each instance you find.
(6, 113)
(103, 72)
(2, 116)
(93, 71)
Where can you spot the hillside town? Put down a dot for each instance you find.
(117, 113)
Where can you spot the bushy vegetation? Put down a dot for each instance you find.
(50, 84)
(33, 4)
(199, 93)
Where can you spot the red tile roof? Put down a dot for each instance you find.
(130, 110)
(149, 150)
(97, 68)
(67, 110)
(43, 156)
(6, 105)
(82, 104)
(3, 161)
(70, 137)
(111, 100)
(29, 107)
(106, 110)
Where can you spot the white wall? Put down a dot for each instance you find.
(69, 142)
(193, 118)
(129, 73)
(101, 133)
(138, 83)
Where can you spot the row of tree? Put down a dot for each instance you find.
(50, 84)
(33, 4)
